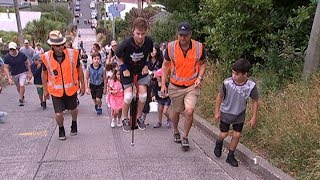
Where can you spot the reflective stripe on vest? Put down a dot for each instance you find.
(59, 87)
(171, 53)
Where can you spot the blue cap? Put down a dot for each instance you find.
(35, 57)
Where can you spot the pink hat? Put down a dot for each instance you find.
(158, 73)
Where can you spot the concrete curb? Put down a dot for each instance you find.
(254, 162)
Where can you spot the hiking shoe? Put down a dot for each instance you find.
(169, 123)
(141, 124)
(185, 143)
(218, 149)
(3, 117)
(21, 102)
(113, 123)
(126, 125)
(96, 107)
(119, 124)
(74, 129)
(176, 138)
(99, 111)
(157, 125)
(232, 161)
(62, 133)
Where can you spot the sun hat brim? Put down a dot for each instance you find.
(57, 41)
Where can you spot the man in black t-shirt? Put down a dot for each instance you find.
(19, 69)
(132, 55)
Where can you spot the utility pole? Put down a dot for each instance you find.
(16, 9)
(54, 10)
(312, 59)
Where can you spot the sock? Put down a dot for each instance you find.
(219, 142)
(61, 128)
(231, 152)
(74, 122)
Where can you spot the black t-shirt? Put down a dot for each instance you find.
(60, 59)
(16, 63)
(134, 57)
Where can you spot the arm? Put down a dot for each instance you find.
(109, 57)
(81, 80)
(217, 113)
(255, 107)
(165, 73)
(202, 70)
(27, 62)
(6, 70)
(105, 81)
(86, 81)
(44, 77)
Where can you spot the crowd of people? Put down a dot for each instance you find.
(169, 74)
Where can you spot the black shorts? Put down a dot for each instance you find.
(224, 127)
(64, 102)
(127, 81)
(96, 91)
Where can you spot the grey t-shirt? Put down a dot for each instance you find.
(27, 51)
(235, 97)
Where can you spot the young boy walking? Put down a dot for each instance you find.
(95, 81)
(36, 69)
(231, 104)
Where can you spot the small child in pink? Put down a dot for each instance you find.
(116, 98)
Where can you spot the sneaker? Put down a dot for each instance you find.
(141, 124)
(169, 123)
(113, 123)
(96, 107)
(3, 117)
(62, 133)
(176, 138)
(157, 125)
(21, 102)
(232, 161)
(99, 111)
(185, 143)
(218, 149)
(119, 124)
(74, 129)
(44, 105)
(126, 125)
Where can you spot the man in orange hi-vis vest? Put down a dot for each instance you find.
(185, 58)
(62, 76)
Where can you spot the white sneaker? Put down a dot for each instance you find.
(119, 124)
(113, 124)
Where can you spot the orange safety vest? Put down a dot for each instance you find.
(66, 77)
(184, 70)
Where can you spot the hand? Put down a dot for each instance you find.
(46, 95)
(88, 91)
(153, 98)
(105, 91)
(39, 66)
(163, 91)
(82, 90)
(145, 70)
(126, 73)
(197, 82)
(252, 122)
(217, 116)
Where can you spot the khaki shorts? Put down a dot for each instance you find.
(182, 98)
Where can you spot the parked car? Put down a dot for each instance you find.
(77, 3)
(77, 8)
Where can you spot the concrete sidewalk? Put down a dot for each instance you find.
(30, 148)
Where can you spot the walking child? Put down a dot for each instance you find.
(116, 98)
(36, 69)
(163, 101)
(95, 81)
(231, 105)
(84, 58)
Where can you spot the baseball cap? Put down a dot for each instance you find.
(12, 45)
(184, 28)
(36, 57)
